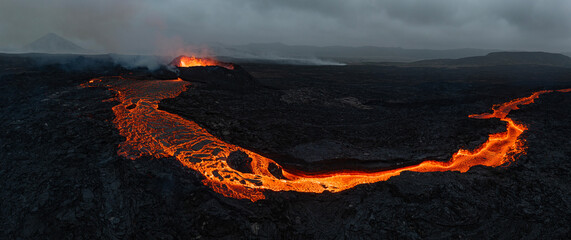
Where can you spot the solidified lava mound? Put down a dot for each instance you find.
(217, 77)
(240, 161)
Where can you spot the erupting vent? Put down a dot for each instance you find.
(185, 61)
(239, 173)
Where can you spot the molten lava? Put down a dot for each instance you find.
(150, 131)
(185, 61)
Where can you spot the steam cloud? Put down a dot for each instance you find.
(160, 27)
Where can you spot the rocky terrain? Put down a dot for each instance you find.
(62, 179)
(340, 117)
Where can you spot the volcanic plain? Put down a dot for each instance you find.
(62, 176)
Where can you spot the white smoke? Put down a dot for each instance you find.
(301, 61)
(272, 57)
(139, 61)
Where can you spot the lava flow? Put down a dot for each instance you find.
(150, 131)
(185, 61)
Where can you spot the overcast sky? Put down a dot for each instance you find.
(155, 26)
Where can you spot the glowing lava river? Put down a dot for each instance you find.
(153, 132)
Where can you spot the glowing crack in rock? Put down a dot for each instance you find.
(153, 132)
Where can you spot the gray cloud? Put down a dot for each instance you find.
(154, 26)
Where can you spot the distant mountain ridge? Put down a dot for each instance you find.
(363, 54)
(53, 43)
(501, 58)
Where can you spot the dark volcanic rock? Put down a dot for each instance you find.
(276, 171)
(215, 77)
(165, 73)
(240, 161)
(61, 178)
(357, 117)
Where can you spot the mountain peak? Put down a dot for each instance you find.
(53, 43)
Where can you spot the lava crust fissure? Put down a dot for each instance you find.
(150, 131)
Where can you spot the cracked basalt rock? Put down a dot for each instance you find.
(240, 161)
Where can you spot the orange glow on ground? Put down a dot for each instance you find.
(150, 131)
(185, 61)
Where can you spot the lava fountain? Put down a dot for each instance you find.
(153, 132)
(192, 61)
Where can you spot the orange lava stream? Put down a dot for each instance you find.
(150, 131)
(185, 61)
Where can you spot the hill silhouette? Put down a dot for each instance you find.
(53, 43)
(501, 58)
(347, 53)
